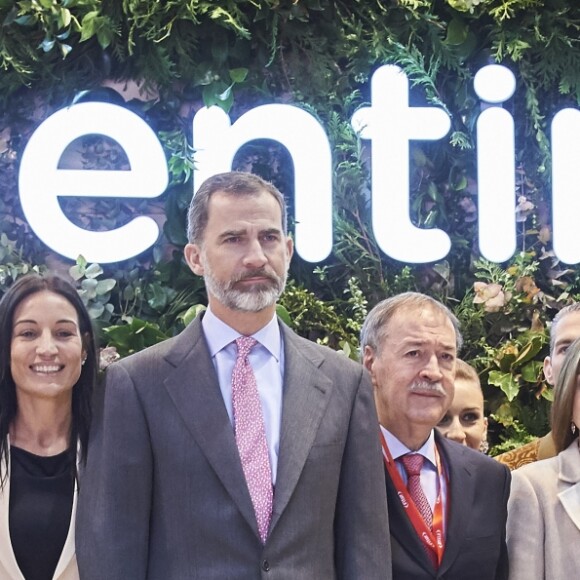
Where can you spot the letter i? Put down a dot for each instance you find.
(496, 173)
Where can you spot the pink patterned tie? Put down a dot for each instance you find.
(413, 463)
(251, 435)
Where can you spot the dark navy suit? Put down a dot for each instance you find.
(475, 546)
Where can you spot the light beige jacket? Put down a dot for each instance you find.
(543, 527)
(66, 569)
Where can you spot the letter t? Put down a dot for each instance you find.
(390, 123)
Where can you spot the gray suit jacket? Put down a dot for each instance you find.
(543, 531)
(164, 497)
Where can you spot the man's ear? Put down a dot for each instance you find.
(289, 248)
(192, 253)
(548, 370)
(368, 358)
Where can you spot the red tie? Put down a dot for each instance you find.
(413, 463)
(251, 436)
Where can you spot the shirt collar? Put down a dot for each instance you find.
(219, 335)
(398, 449)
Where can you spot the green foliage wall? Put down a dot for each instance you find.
(319, 54)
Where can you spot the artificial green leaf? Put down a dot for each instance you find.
(105, 36)
(88, 25)
(461, 183)
(64, 18)
(93, 270)
(76, 272)
(104, 286)
(65, 49)
(95, 310)
(209, 96)
(548, 394)
(532, 371)
(191, 313)
(506, 382)
(443, 269)
(238, 75)
(456, 32)
(47, 44)
(506, 358)
(25, 20)
(530, 350)
(433, 192)
(284, 315)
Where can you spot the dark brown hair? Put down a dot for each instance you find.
(234, 183)
(83, 389)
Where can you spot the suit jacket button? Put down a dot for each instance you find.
(265, 565)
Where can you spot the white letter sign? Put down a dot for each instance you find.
(496, 173)
(566, 185)
(390, 123)
(42, 183)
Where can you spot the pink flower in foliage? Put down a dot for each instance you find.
(491, 296)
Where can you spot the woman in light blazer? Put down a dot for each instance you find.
(47, 374)
(543, 529)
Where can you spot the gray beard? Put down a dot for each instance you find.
(254, 299)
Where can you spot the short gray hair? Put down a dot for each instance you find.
(234, 183)
(375, 327)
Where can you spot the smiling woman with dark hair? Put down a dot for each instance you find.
(48, 371)
(544, 506)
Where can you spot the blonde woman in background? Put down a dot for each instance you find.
(465, 421)
(543, 528)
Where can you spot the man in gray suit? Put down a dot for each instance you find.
(185, 482)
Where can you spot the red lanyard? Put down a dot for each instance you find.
(434, 539)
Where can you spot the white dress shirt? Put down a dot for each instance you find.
(430, 481)
(267, 361)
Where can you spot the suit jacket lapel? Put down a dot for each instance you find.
(68, 550)
(570, 500)
(569, 474)
(194, 389)
(460, 496)
(306, 394)
(7, 557)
